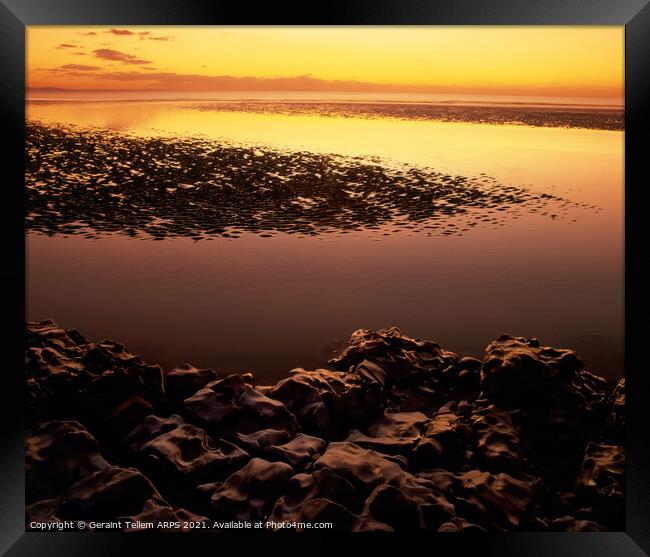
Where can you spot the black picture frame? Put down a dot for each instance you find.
(15, 15)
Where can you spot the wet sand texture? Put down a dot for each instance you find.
(90, 181)
(550, 115)
(401, 435)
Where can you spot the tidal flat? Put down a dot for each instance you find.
(92, 181)
(194, 228)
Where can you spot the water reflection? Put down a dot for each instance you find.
(84, 181)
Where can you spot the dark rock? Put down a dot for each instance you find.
(443, 441)
(157, 513)
(231, 405)
(327, 401)
(255, 443)
(42, 511)
(154, 510)
(114, 403)
(299, 452)
(469, 363)
(570, 524)
(182, 454)
(371, 372)
(492, 501)
(55, 376)
(398, 439)
(250, 493)
(398, 355)
(102, 385)
(159, 447)
(616, 418)
(48, 333)
(105, 495)
(498, 445)
(415, 375)
(557, 405)
(150, 427)
(586, 526)
(395, 433)
(200, 498)
(468, 380)
(108, 354)
(184, 380)
(411, 503)
(57, 455)
(460, 525)
(518, 373)
(322, 485)
(313, 511)
(506, 499)
(364, 469)
(388, 509)
(601, 482)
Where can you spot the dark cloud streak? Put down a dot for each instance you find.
(77, 70)
(124, 32)
(117, 56)
(80, 67)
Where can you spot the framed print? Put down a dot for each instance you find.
(373, 269)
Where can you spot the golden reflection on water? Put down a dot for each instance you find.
(578, 159)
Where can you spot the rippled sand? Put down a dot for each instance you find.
(540, 115)
(87, 181)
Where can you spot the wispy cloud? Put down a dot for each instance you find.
(79, 67)
(117, 56)
(88, 34)
(114, 31)
(67, 45)
(72, 69)
(146, 35)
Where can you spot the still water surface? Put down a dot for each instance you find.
(275, 296)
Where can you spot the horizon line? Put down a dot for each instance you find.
(496, 93)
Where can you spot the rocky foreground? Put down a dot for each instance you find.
(403, 435)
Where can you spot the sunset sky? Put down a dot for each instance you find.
(542, 61)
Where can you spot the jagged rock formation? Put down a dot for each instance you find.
(400, 435)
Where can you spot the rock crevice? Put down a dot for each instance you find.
(399, 435)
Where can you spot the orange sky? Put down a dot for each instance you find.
(542, 61)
